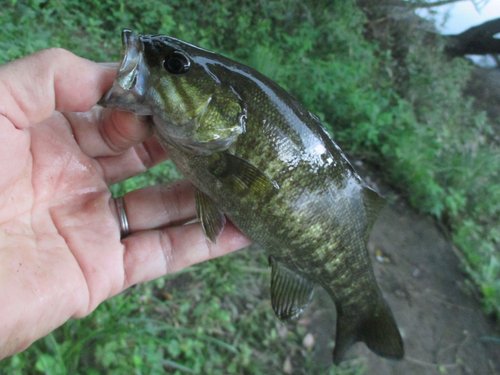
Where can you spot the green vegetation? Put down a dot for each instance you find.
(403, 111)
(209, 320)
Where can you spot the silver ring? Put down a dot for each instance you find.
(122, 217)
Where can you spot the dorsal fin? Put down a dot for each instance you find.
(373, 203)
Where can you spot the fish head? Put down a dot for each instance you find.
(180, 86)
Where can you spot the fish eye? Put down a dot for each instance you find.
(176, 63)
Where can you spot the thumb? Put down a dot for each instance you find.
(33, 87)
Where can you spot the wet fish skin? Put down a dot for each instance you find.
(255, 154)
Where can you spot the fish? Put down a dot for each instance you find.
(259, 158)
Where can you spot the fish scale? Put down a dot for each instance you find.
(257, 156)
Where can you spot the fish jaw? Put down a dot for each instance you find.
(198, 120)
(132, 80)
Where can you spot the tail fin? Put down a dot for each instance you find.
(378, 330)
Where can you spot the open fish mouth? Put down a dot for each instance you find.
(131, 83)
(131, 59)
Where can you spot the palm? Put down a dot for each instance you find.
(56, 206)
(60, 248)
(57, 229)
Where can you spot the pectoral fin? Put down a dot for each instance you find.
(240, 175)
(290, 292)
(212, 219)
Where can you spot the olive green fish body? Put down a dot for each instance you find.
(318, 207)
(256, 155)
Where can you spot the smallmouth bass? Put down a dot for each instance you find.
(257, 156)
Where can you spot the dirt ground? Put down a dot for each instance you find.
(441, 321)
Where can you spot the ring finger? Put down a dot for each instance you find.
(158, 206)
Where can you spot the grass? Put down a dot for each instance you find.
(405, 111)
(211, 319)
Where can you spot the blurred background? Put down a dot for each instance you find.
(414, 113)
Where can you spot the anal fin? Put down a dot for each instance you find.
(212, 219)
(290, 292)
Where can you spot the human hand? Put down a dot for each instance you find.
(60, 248)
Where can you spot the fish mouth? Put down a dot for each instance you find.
(131, 82)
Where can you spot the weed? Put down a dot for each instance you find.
(407, 113)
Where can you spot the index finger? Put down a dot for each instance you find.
(33, 87)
